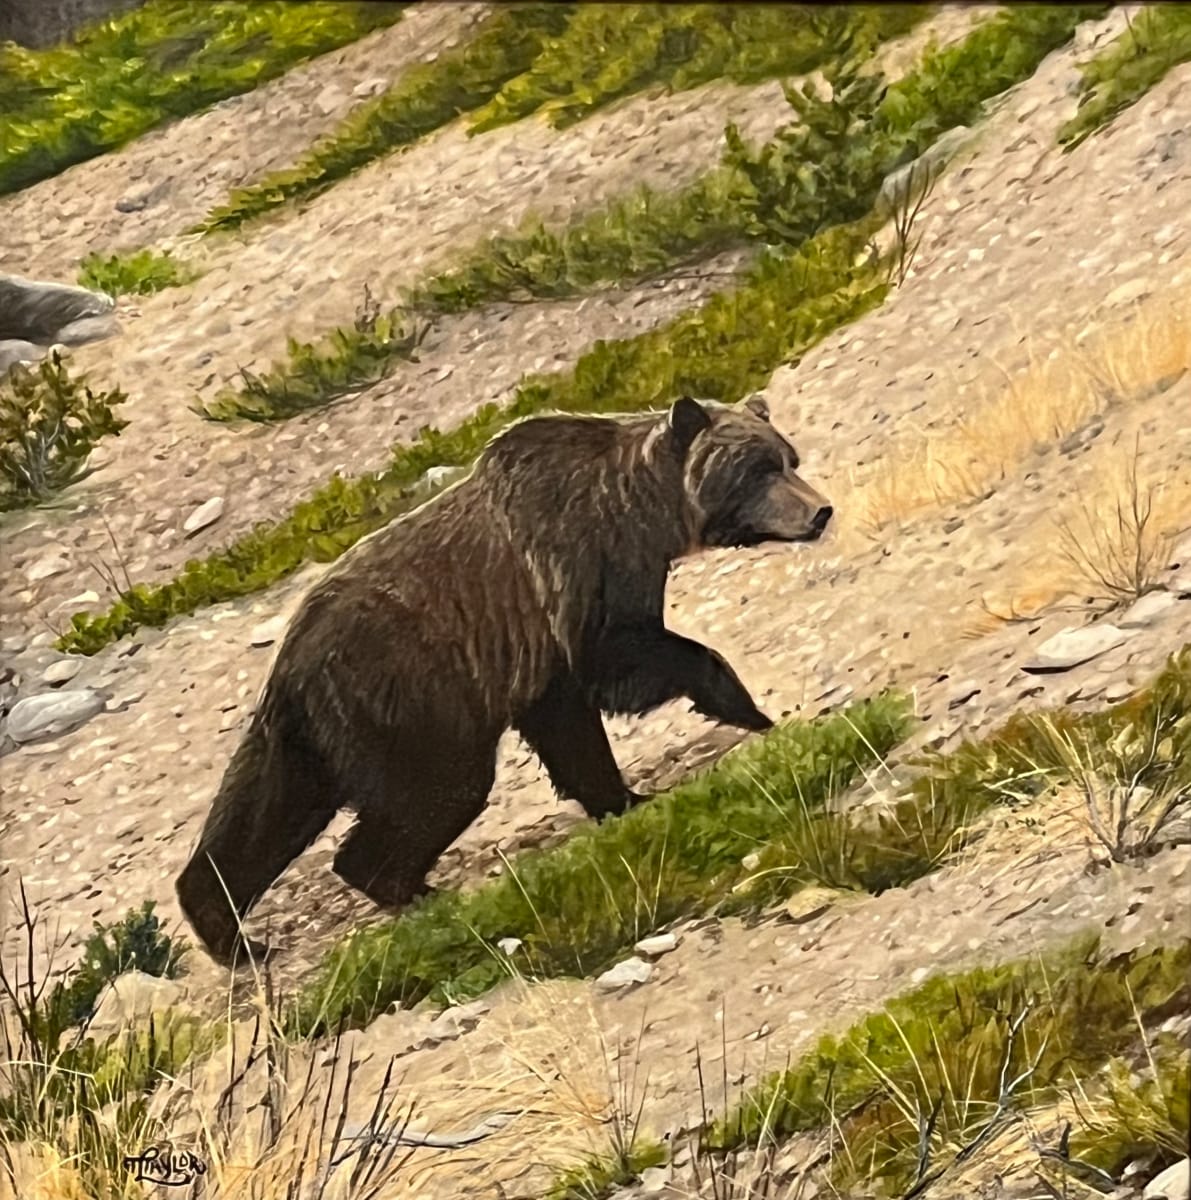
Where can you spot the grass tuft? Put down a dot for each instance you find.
(138, 274)
(1128, 67)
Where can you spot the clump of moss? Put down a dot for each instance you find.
(138, 274)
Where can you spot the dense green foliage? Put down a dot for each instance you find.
(1128, 67)
(49, 424)
(422, 99)
(138, 274)
(578, 906)
(609, 51)
(163, 60)
(949, 1043)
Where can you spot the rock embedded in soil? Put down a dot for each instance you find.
(37, 312)
(655, 947)
(52, 712)
(1074, 646)
(206, 514)
(1147, 610)
(1172, 1184)
(624, 975)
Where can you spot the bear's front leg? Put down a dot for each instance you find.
(639, 667)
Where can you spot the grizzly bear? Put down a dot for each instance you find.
(529, 595)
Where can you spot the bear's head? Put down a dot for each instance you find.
(741, 476)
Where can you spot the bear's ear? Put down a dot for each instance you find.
(688, 418)
(758, 406)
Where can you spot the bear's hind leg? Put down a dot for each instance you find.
(567, 733)
(403, 828)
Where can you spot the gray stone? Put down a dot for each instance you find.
(51, 564)
(132, 998)
(62, 671)
(206, 514)
(624, 975)
(907, 182)
(52, 712)
(1172, 1184)
(1073, 646)
(656, 946)
(1147, 609)
(267, 632)
(16, 350)
(88, 329)
(37, 311)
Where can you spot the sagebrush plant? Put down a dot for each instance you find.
(316, 375)
(139, 274)
(49, 424)
(164, 59)
(1131, 64)
(915, 1089)
(579, 905)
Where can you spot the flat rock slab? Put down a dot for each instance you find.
(52, 712)
(1073, 647)
(36, 312)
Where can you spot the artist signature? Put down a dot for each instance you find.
(165, 1165)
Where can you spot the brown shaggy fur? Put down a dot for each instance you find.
(530, 594)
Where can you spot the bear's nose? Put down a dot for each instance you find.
(820, 519)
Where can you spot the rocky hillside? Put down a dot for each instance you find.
(921, 940)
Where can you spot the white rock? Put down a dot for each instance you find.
(52, 712)
(370, 87)
(1147, 609)
(625, 974)
(1180, 584)
(62, 671)
(329, 99)
(751, 861)
(1172, 1184)
(267, 632)
(656, 946)
(132, 997)
(1073, 646)
(509, 945)
(44, 568)
(655, 1179)
(1126, 293)
(206, 514)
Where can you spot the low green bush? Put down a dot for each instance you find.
(681, 46)
(137, 274)
(420, 101)
(315, 375)
(163, 60)
(1160, 38)
(578, 906)
(950, 1048)
(49, 423)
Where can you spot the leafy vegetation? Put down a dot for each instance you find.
(950, 1062)
(601, 1176)
(681, 46)
(314, 375)
(576, 907)
(423, 98)
(1128, 67)
(163, 60)
(138, 274)
(49, 424)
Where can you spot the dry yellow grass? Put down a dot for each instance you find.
(1056, 395)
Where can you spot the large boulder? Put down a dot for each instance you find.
(38, 312)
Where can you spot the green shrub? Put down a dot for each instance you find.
(420, 101)
(1128, 67)
(578, 906)
(315, 375)
(136, 943)
(164, 60)
(49, 423)
(681, 46)
(950, 1047)
(138, 274)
